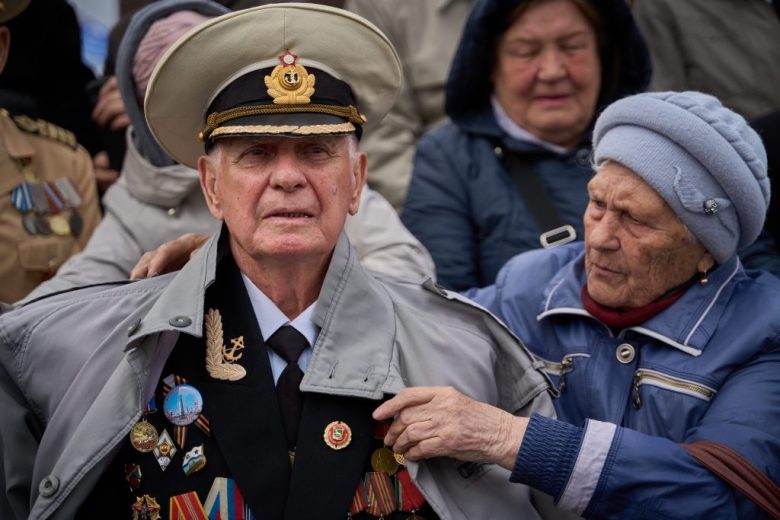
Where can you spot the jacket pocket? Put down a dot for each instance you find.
(644, 376)
(44, 254)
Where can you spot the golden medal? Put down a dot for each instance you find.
(143, 436)
(383, 461)
(400, 459)
(59, 225)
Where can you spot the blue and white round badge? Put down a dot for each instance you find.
(183, 405)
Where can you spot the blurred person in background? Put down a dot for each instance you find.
(48, 198)
(156, 199)
(526, 84)
(425, 34)
(728, 48)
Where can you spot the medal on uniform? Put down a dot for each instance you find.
(170, 382)
(55, 201)
(380, 494)
(226, 501)
(399, 458)
(382, 460)
(68, 192)
(187, 507)
(42, 226)
(183, 405)
(76, 223)
(143, 436)
(359, 502)
(337, 435)
(22, 198)
(146, 508)
(409, 497)
(165, 450)
(59, 225)
(133, 475)
(28, 222)
(194, 460)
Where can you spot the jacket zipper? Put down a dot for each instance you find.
(651, 377)
(561, 369)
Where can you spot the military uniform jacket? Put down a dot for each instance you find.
(78, 369)
(49, 153)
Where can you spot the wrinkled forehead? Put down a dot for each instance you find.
(620, 184)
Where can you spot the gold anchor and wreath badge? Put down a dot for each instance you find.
(221, 360)
(290, 83)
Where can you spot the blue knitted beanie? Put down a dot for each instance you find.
(702, 158)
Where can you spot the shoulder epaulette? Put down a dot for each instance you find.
(46, 129)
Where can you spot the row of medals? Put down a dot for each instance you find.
(182, 406)
(47, 207)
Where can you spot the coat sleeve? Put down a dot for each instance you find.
(19, 434)
(606, 471)
(437, 212)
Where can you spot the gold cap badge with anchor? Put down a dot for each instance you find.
(290, 83)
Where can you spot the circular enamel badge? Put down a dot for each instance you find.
(337, 435)
(143, 437)
(183, 405)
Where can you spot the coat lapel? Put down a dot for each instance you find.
(244, 414)
(323, 479)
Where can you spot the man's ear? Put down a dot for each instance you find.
(207, 168)
(5, 45)
(360, 169)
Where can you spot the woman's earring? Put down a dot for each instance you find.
(703, 278)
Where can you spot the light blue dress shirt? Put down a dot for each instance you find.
(270, 319)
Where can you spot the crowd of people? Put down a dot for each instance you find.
(392, 259)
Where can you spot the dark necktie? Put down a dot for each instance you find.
(288, 343)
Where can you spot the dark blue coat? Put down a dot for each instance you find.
(461, 202)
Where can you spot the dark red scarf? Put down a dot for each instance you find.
(629, 317)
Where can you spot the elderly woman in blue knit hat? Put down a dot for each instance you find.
(661, 345)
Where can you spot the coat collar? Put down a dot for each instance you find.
(687, 325)
(347, 328)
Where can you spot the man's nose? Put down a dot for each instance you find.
(287, 173)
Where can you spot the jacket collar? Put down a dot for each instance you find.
(687, 325)
(353, 311)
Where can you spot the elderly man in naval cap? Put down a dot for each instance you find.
(243, 385)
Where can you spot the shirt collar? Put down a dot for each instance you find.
(510, 127)
(270, 318)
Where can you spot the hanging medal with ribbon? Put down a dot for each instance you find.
(46, 207)
(380, 494)
(359, 502)
(183, 405)
(410, 500)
